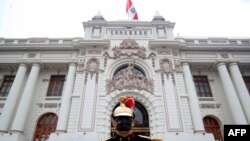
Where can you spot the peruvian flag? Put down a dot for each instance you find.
(130, 10)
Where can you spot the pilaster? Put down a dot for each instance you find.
(193, 100)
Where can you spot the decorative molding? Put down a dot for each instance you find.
(210, 105)
(82, 53)
(152, 55)
(106, 56)
(224, 55)
(170, 98)
(48, 105)
(88, 105)
(164, 52)
(80, 65)
(31, 55)
(94, 52)
(177, 64)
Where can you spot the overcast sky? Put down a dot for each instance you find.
(63, 18)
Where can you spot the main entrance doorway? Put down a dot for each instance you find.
(141, 120)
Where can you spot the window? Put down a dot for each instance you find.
(202, 86)
(45, 126)
(247, 82)
(56, 85)
(6, 85)
(212, 126)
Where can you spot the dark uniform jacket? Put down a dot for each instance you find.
(129, 138)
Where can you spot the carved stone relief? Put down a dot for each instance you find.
(31, 55)
(224, 55)
(129, 47)
(130, 78)
(178, 67)
(152, 55)
(166, 66)
(106, 56)
(82, 53)
(80, 65)
(93, 65)
(164, 52)
(94, 52)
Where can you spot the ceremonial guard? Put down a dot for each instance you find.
(123, 119)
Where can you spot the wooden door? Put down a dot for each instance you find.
(212, 126)
(45, 126)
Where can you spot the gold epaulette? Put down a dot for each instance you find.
(146, 137)
(152, 139)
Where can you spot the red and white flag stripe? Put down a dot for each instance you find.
(130, 10)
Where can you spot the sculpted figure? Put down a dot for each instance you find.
(129, 72)
(119, 84)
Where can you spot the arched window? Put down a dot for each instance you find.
(141, 120)
(211, 126)
(45, 125)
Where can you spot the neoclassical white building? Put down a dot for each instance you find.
(64, 89)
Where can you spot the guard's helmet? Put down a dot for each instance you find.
(126, 107)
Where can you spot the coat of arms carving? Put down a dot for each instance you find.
(129, 47)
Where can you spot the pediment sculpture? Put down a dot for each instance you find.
(129, 78)
(129, 47)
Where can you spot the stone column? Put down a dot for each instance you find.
(232, 99)
(10, 104)
(241, 88)
(24, 105)
(193, 99)
(65, 101)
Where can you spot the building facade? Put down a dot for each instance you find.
(66, 88)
